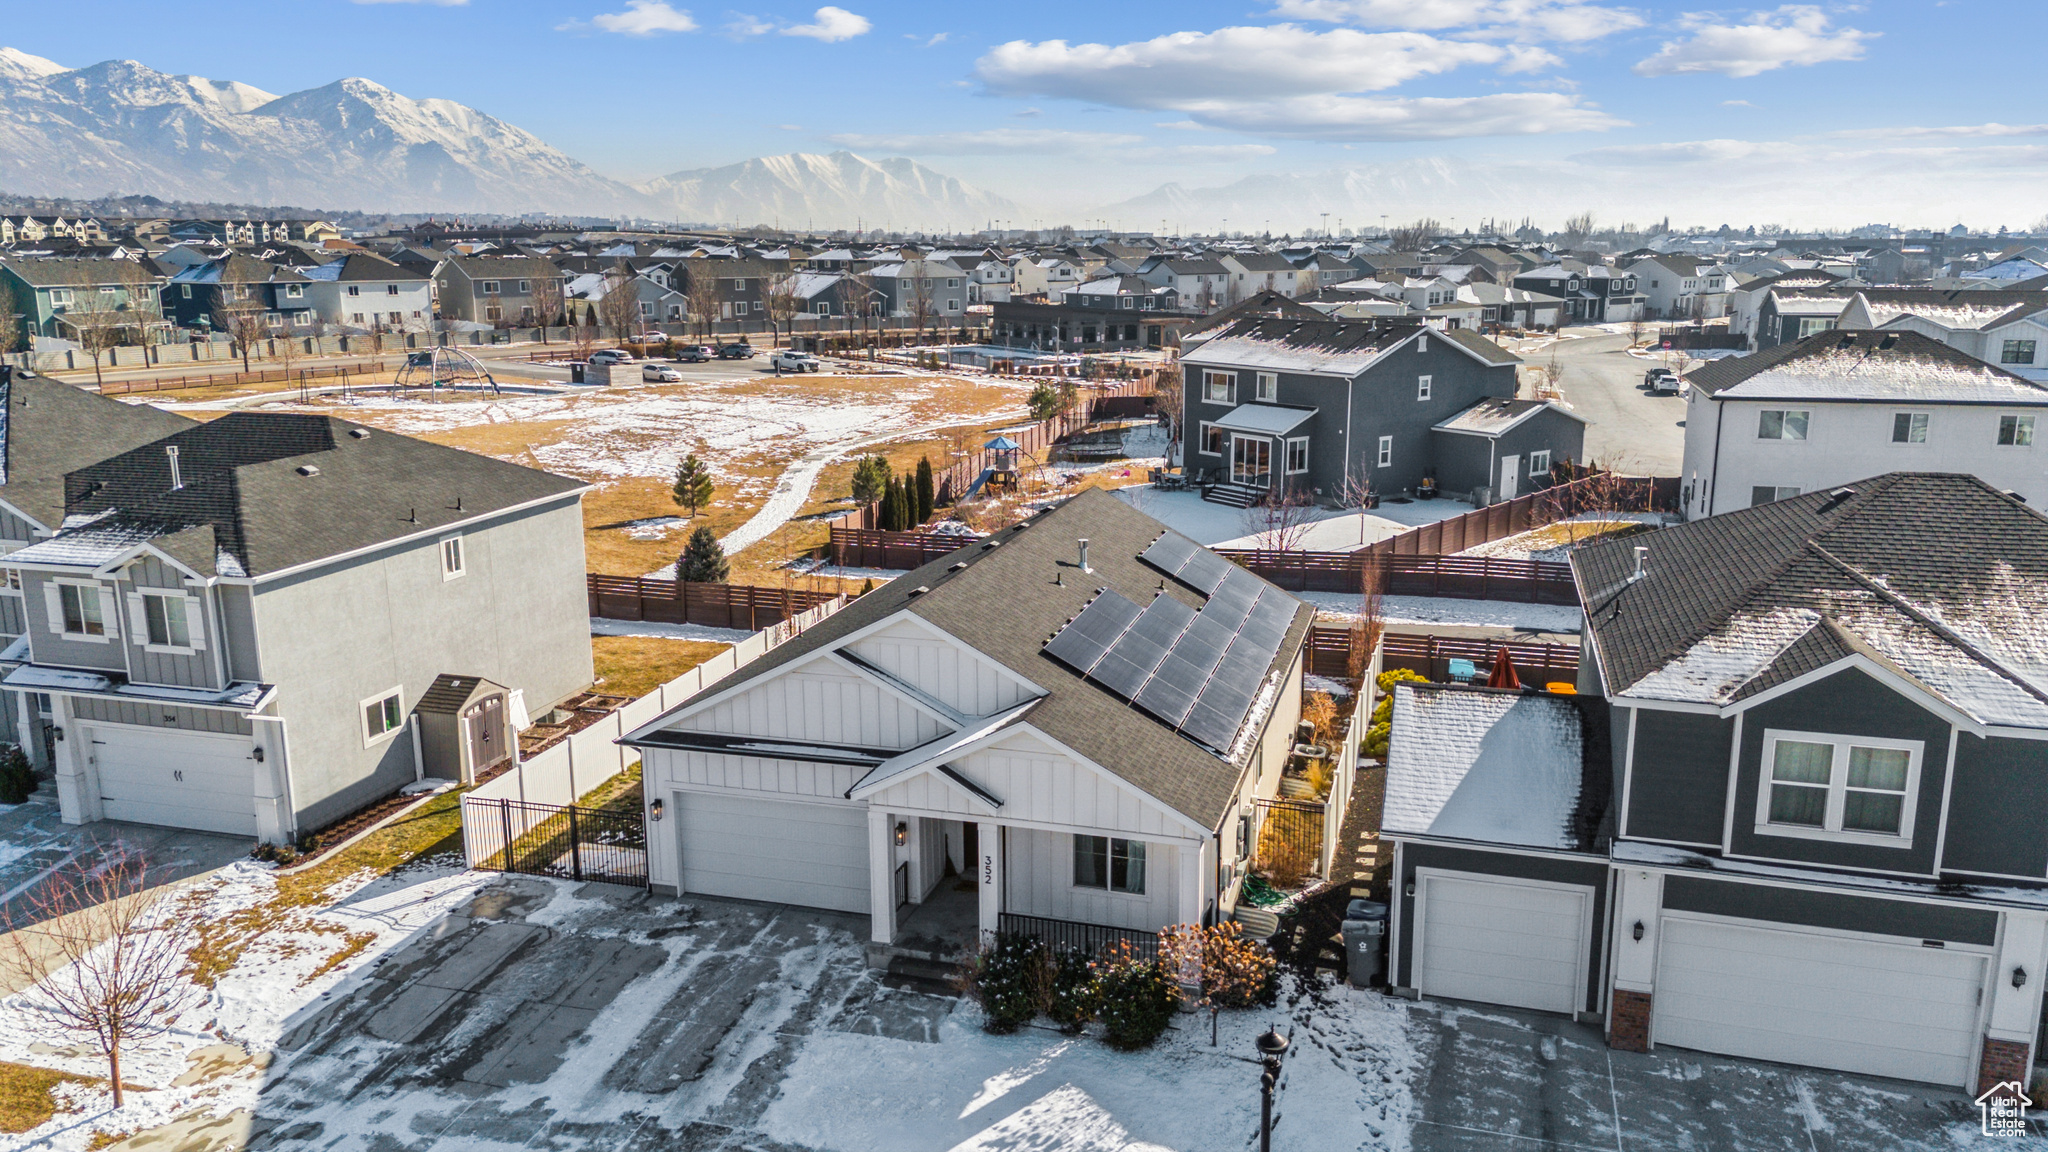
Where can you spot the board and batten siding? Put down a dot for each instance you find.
(48, 645)
(1038, 868)
(947, 672)
(13, 614)
(152, 715)
(792, 778)
(816, 703)
(197, 669)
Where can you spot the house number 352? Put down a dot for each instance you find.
(988, 869)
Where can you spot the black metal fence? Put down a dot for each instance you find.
(1069, 934)
(555, 840)
(1290, 840)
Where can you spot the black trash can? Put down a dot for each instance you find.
(1365, 941)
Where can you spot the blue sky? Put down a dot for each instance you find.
(1911, 111)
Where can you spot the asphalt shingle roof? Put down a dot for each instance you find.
(53, 428)
(1864, 364)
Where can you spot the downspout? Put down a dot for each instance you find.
(1714, 467)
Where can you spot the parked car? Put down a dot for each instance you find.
(695, 353)
(735, 351)
(1662, 381)
(790, 360)
(611, 356)
(659, 374)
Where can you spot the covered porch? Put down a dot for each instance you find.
(1265, 445)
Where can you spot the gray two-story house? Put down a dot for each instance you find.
(495, 289)
(1795, 812)
(1284, 404)
(254, 625)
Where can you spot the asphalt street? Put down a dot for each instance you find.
(1631, 431)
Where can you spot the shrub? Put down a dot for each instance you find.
(1237, 971)
(1007, 980)
(1073, 1000)
(703, 560)
(1137, 998)
(17, 778)
(870, 476)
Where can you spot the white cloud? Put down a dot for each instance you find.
(642, 18)
(1223, 151)
(1736, 104)
(1569, 20)
(831, 25)
(987, 142)
(1963, 131)
(742, 26)
(1363, 118)
(1795, 34)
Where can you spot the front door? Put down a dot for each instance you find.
(1251, 461)
(486, 723)
(1510, 477)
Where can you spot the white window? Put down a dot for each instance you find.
(489, 287)
(1909, 427)
(382, 716)
(60, 296)
(953, 305)
(1109, 864)
(1386, 451)
(741, 285)
(166, 620)
(1422, 343)
(1770, 494)
(2015, 431)
(1422, 387)
(355, 317)
(1855, 788)
(1809, 325)
(1781, 424)
(1211, 440)
(355, 290)
(1269, 387)
(1539, 463)
(391, 289)
(525, 286)
(2016, 352)
(1297, 455)
(78, 611)
(451, 558)
(1219, 387)
(294, 291)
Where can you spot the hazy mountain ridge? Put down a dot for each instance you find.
(840, 190)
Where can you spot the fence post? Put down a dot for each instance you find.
(505, 823)
(575, 841)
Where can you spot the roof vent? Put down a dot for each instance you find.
(308, 469)
(957, 565)
(360, 433)
(177, 478)
(992, 544)
(1642, 553)
(920, 590)
(1083, 542)
(1887, 342)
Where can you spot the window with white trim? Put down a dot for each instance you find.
(1539, 463)
(1857, 788)
(1219, 387)
(1782, 424)
(382, 715)
(80, 611)
(2015, 431)
(1211, 440)
(2016, 352)
(1386, 451)
(451, 558)
(1110, 864)
(489, 287)
(1269, 387)
(1422, 385)
(165, 623)
(1770, 494)
(1297, 455)
(1909, 427)
(355, 290)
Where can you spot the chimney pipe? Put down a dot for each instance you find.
(1083, 542)
(177, 478)
(1642, 551)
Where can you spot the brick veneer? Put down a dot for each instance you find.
(2003, 1060)
(1629, 1027)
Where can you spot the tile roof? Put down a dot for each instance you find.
(1938, 577)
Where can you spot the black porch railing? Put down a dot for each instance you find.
(1290, 840)
(1069, 934)
(555, 840)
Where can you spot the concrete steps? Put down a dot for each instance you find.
(940, 977)
(1233, 495)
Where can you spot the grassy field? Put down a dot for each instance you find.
(636, 665)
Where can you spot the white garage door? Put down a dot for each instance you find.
(182, 779)
(1899, 1010)
(1503, 942)
(812, 855)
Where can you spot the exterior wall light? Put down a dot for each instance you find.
(654, 810)
(1637, 931)
(902, 833)
(2019, 977)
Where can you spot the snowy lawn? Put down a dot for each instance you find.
(1448, 610)
(1555, 542)
(1219, 526)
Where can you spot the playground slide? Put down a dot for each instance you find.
(978, 482)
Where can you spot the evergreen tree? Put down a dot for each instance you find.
(1044, 402)
(906, 503)
(693, 483)
(703, 560)
(890, 516)
(870, 478)
(925, 495)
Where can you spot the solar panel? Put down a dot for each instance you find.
(1233, 599)
(1082, 643)
(1211, 726)
(1171, 691)
(1205, 570)
(1169, 553)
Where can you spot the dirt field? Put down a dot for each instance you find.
(626, 441)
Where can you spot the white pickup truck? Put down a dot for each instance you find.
(788, 360)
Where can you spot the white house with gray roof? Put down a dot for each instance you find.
(1806, 416)
(233, 626)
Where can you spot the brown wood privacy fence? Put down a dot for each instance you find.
(261, 376)
(1536, 664)
(1459, 577)
(745, 606)
(1598, 492)
(857, 548)
(953, 482)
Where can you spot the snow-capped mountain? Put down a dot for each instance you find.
(121, 126)
(842, 190)
(1358, 196)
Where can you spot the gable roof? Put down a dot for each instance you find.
(1495, 416)
(52, 428)
(1864, 364)
(1939, 579)
(364, 266)
(1009, 595)
(1321, 346)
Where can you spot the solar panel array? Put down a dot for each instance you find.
(1198, 672)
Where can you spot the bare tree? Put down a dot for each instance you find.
(103, 959)
(1169, 402)
(547, 303)
(1280, 522)
(96, 323)
(1370, 625)
(619, 307)
(240, 315)
(1412, 236)
(778, 294)
(859, 301)
(1578, 229)
(701, 295)
(923, 307)
(10, 318)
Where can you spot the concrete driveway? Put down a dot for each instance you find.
(1492, 1078)
(1632, 431)
(35, 843)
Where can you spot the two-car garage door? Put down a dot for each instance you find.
(182, 779)
(781, 851)
(1819, 999)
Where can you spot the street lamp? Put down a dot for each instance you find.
(1272, 1045)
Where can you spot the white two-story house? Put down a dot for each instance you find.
(364, 292)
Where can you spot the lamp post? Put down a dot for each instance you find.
(1272, 1045)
